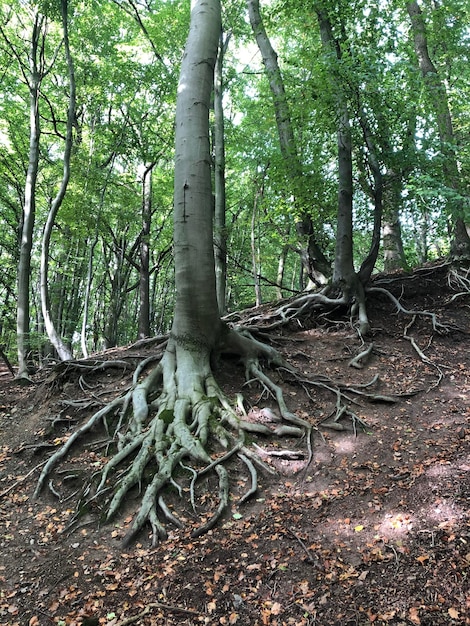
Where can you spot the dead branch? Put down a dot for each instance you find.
(254, 479)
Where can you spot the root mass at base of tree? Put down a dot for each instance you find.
(176, 421)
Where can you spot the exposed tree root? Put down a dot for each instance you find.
(295, 309)
(360, 359)
(176, 413)
(163, 427)
(436, 325)
(459, 281)
(175, 427)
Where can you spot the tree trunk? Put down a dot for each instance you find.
(393, 253)
(344, 275)
(63, 351)
(460, 245)
(29, 207)
(344, 267)
(255, 255)
(315, 262)
(368, 264)
(220, 231)
(144, 269)
(196, 319)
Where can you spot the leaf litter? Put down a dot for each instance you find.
(375, 530)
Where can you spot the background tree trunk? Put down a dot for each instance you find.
(220, 231)
(393, 253)
(344, 274)
(315, 262)
(439, 100)
(144, 268)
(29, 206)
(63, 351)
(343, 269)
(254, 240)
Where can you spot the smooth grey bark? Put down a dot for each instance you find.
(144, 268)
(64, 353)
(344, 268)
(196, 311)
(220, 230)
(315, 262)
(254, 241)
(29, 207)
(438, 98)
(281, 106)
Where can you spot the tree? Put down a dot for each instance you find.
(33, 77)
(190, 412)
(63, 351)
(316, 265)
(220, 228)
(144, 268)
(438, 98)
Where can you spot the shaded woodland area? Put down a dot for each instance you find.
(235, 319)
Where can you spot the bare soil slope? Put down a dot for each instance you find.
(375, 530)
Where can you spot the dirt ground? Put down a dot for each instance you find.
(375, 530)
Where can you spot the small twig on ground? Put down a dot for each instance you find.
(157, 605)
(310, 558)
(20, 480)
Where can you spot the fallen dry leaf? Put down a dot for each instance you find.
(454, 613)
(276, 608)
(414, 617)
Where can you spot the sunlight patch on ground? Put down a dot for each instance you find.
(347, 444)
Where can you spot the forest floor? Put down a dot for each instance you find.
(376, 530)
